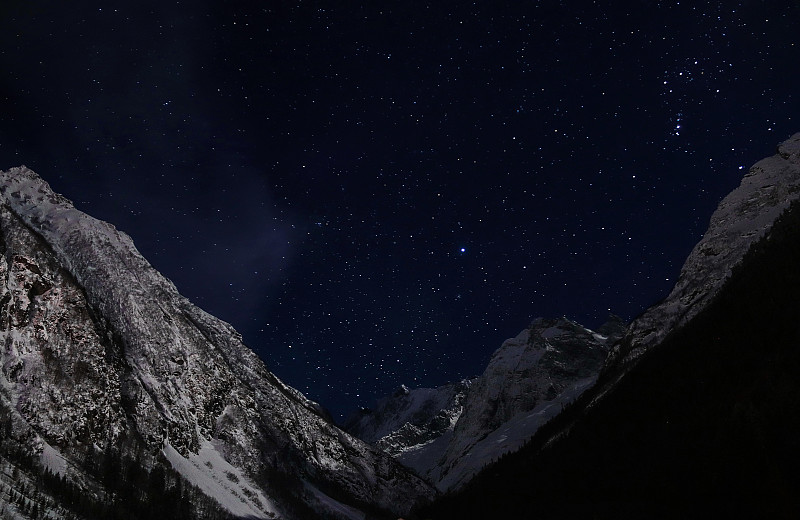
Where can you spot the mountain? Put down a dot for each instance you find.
(448, 434)
(412, 425)
(693, 417)
(528, 380)
(741, 219)
(111, 380)
(409, 418)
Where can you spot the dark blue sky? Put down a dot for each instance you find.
(381, 193)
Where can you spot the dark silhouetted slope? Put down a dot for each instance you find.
(705, 424)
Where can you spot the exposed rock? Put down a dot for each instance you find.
(413, 425)
(97, 346)
(529, 379)
(741, 219)
(409, 418)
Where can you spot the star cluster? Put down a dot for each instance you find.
(381, 193)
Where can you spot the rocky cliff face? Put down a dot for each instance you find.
(529, 379)
(414, 426)
(741, 219)
(98, 347)
(409, 419)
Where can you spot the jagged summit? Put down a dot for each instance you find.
(100, 350)
(430, 411)
(449, 433)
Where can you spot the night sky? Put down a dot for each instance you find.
(377, 193)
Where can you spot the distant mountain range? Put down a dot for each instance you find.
(448, 434)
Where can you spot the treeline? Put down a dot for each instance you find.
(121, 488)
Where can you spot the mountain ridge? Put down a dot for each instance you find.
(173, 375)
(527, 381)
(700, 427)
(691, 424)
(743, 217)
(104, 363)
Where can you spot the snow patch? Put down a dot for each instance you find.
(208, 470)
(53, 460)
(419, 459)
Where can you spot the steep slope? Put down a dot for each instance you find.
(101, 351)
(528, 380)
(409, 419)
(742, 218)
(414, 426)
(701, 425)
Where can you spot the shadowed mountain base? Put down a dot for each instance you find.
(705, 424)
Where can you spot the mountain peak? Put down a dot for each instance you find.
(790, 148)
(613, 327)
(102, 352)
(529, 379)
(30, 195)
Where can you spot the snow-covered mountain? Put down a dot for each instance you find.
(694, 413)
(414, 426)
(103, 360)
(409, 419)
(532, 376)
(529, 379)
(740, 220)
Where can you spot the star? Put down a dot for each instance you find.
(403, 161)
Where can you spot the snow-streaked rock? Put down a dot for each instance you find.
(216, 477)
(741, 219)
(425, 413)
(98, 346)
(529, 380)
(412, 425)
